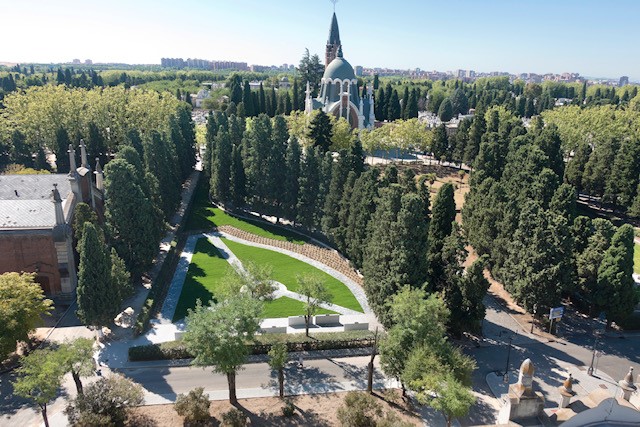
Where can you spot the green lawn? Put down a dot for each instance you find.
(203, 216)
(286, 270)
(636, 258)
(285, 307)
(204, 277)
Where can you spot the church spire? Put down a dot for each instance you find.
(333, 43)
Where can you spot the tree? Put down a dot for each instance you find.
(615, 293)
(445, 112)
(105, 402)
(411, 111)
(321, 131)
(291, 181)
(61, 149)
(309, 188)
(134, 236)
(247, 100)
(315, 293)
(160, 160)
(459, 102)
(20, 151)
(221, 166)
(440, 144)
(445, 394)
(218, 335)
(23, 304)
(278, 356)
(120, 277)
(444, 213)
(359, 410)
(193, 407)
(77, 357)
(96, 145)
(394, 112)
(624, 178)
(39, 377)
(311, 71)
(97, 304)
(83, 213)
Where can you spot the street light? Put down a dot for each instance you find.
(506, 369)
(533, 319)
(602, 322)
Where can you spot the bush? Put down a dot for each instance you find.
(194, 407)
(295, 342)
(288, 410)
(360, 409)
(105, 402)
(234, 418)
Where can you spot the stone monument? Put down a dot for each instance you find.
(566, 392)
(626, 385)
(521, 401)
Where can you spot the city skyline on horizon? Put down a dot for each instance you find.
(265, 41)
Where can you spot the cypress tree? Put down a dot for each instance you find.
(296, 98)
(376, 82)
(238, 178)
(20, 152)
(291, 185)
(624, 178)
(405, 103)
(159, 159)
(363, 205)
(340, 232)
(394, 112)
(615, 293)
(444, 213)
(440, 144)
(96, 145)
(41, 162)
(477, 130)
(61, 150)
(575, 167)
(98, 304)
(276, 167)
(380, 105)
(309, 188)
(135, 237)
(445, 111)
(412, 106)
(247, 100)
(133, 139)
(332, 200)
(221, 169)
(262, 100)
(188, 131)
(120, 277)
(321, 131)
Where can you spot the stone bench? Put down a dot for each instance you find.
(274, 330)
(357, 326)
(296, 321)
(326, 319)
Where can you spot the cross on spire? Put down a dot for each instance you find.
(334, 5)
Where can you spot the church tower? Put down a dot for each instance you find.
(333, 43)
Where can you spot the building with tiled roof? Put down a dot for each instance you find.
(36, 213)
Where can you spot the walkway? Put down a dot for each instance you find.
(173, 295)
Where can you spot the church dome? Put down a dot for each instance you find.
(339, 68)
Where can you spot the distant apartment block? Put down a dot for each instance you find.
(624, 80)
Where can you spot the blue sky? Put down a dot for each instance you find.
(595, 38)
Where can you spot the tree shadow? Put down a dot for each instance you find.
(301, 417)
(10, 404)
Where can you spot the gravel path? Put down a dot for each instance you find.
(175, 289)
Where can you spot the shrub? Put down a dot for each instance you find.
(391, 419)
(289, 409)
(234, 418)
(360, 409)
(105, 402)
(194, 407)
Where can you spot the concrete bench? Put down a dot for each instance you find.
(357, 326)
(326, 319)
(274, 330)
(296, 321)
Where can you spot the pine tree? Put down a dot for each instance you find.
(61, 150)
(615, 293)
(98, 304)
(444, 213)
(309, 188)
(320, 131)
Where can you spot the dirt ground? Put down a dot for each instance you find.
(311, 410)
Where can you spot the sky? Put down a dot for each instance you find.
(597, 38)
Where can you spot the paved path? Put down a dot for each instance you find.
(175, 288)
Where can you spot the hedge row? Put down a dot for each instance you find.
(174, 350)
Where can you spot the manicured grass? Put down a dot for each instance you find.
(204, 216)
(204, 277)
(287, 269)
(636, 258)
(285, 307)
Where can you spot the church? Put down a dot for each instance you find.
(339, 93)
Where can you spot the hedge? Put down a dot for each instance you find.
(174, 350)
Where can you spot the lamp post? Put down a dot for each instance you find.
(533, 319)
(602, 321)
(506, 369)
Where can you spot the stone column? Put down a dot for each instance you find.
(566, 392)
(626, 385)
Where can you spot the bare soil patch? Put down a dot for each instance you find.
(311, 410)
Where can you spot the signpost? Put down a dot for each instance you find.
(555, 313)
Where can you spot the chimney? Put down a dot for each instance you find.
(57, 202)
